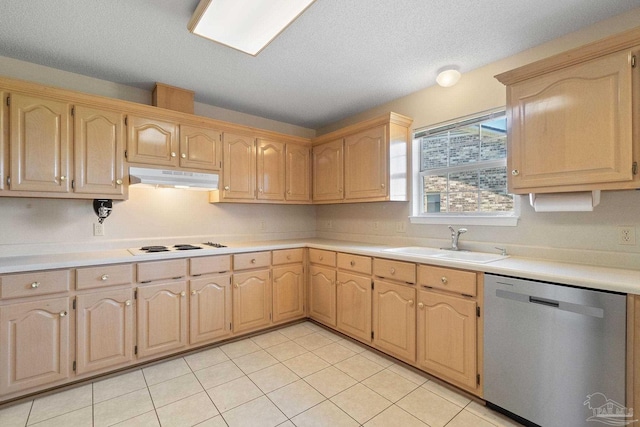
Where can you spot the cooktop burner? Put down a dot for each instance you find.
(152, 249)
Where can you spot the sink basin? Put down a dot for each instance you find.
(466, 256)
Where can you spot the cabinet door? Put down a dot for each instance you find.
(322, 295)
(270, 170)
(40, 144)
(104, 330)
(298, 173)
(251, 300)
(35, 347)
(288, 293)
(200, 148)
(394, 319)
(560, 135)
(365, 164)
(447, 337)
(239, 161)
(162, 318)
(353, 306)
(152, 142)
(99, 151)
(210, 303)
(328, 171)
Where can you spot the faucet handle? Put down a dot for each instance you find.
(462, 230)
(503, 251)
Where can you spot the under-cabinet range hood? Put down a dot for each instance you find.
(173, 179)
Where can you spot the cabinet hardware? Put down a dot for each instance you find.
(135, 294)
(515, 172)
(372, 285)
(230, 324)
(135, 350)
(392, 271)
(126, 154)
(478, 379)
(371, 334)
(73, 183)
(63, 313)
(74, 366)
(8, 180)
(467, 295)
(352, 263)
(198, 275)
(73, 111)
(634, 168)
(183, 293)
(177, 277)
(126, 122)
(444, 280)
(35, 285)
(74, 304)
(127, 302)
(63, 178)
(184, 156)
(119, 181)
(420, 305)
(633, 61)
(104, 277)
(193, 292)
(478, 311)
(226, 187)
(411, 303)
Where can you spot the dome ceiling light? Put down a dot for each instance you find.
(448, 77)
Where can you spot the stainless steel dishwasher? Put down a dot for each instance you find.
(553, 354)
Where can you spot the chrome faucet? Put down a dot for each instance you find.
(455, 237)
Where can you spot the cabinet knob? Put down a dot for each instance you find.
(173, 154)
(392, 271)
(193, 292)
(381, 185)
(352, 263)
(260, 190)
(444, 280)
(321, 258)
(289, 192)
(515, 172)
(420, 305)
(183, 293)
(35, 285)
(340, 190)
(63, 178)
(288, 257)
(104, 277)
(63, 313)
(127, 302)
(338, 282)
(235, 286)
(184, 156)
(119, 181)
(410, 303)
(253, 261)
(226, 187)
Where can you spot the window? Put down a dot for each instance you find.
(463, 171)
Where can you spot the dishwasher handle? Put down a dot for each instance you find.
(543, 301)
(560, 305)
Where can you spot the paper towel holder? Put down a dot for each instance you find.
(593, 198)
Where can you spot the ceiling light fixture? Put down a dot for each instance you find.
(448, 76)
(245, 25)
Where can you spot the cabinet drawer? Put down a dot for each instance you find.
(318, 256)
(459, 281)
(106, 275)
(356, 263)
(395, 270)
(34, 284)
(251, 260)
(209, 264)
(162, 270)
(287, 256)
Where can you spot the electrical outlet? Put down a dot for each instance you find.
(626, 235)
(263, 225)
(98, 229)
(401, 227)
(376, 225)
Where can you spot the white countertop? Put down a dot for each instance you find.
(605, 278)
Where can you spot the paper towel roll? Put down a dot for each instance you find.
(582, 201)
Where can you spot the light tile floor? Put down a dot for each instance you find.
(301, 375)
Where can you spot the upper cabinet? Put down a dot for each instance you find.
(571, 121)
(151, 141)
(239, 171)
(365, 162)
(297, 178)
(270, 160)
(200, 148)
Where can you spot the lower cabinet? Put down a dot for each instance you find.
(447, 337)
(104, 334)
(210, 308)
(394, 319)
(251, 300)
(162, 318)
(354, 305)
(36, 344)
(288, 293)
(322, 295)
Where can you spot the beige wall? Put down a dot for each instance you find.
(580, 237)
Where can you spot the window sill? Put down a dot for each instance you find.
(498, 221)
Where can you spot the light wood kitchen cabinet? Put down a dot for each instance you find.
(270, 169)
(322, 294)
(251, 300)
(298, 173)
(40, 144)
(353, 305)
(200, 148)
(288, 292)
(571, 119)
(151, 141)
(364, 162)
(328, 171)
(210, 308)
(36, 347)
(104, 330)
(4, 140)
(447, 339)
(394, 319)
(239, 171)
(161, 318)
(98, 146)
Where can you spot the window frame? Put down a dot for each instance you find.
(509, 219)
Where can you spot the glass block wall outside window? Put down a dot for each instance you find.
(463, 167)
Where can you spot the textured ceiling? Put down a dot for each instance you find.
(339, 58)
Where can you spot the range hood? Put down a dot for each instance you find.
(173, 179)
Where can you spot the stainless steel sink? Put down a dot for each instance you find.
(465, 256)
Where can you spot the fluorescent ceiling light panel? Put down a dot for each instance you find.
(246, 25)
